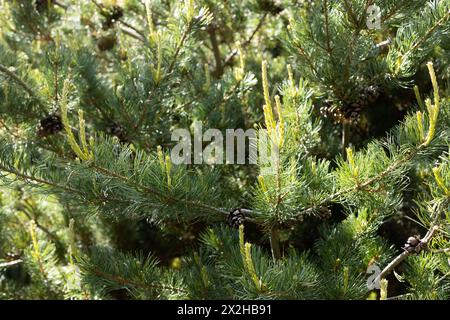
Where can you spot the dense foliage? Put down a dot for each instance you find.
(356, 206)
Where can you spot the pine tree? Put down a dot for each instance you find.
(92, 206)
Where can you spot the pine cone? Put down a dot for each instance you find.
(412, 244)
(118, 131)
(236, 218)
(329, 110)
(352, 113)
(270, 6)
(324, 213)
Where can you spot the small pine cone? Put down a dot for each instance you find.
(236, 218)
(323, 111)
(50, 125)
(328, 110)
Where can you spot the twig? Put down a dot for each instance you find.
(159, 194)
(10, 263)
(15, 78)
(445, 250)
(391, 266)
(37, 180)
(352, 14)
(8, 129)
(49, 233)
(137, 34)
(308, 60)
(399, 296)
(327, 26)
(97, 4)
(393, 11)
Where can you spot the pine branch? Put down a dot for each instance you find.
(394, 11)
(308, 60)
(180, 45)
(221, 213)
(37, 180)
(422, 245)
(350, 11)
(169, 71)
(361, 186)
(44, 229)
